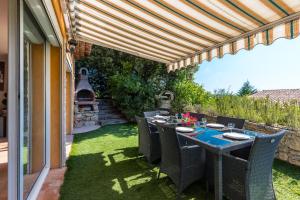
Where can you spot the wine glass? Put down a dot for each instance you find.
(231, 126)
(197, 124)
(204, 121)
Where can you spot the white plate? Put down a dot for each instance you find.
(184, 129)
(236, 136)
(159, 121)
(161, 117)
(214, 125)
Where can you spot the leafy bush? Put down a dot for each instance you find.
(256, 110)
(133, 82)
(131, 94)
(187, 93)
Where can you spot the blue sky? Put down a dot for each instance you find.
(266, 67)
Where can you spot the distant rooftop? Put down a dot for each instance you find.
(279, 95)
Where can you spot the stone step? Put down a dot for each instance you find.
(113, 121)
(108, 107)
(106, 112)
(104, 102)
(110, 116)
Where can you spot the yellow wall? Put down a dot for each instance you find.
(38, 106)
(69, 76)
(56, 120)
(60, 17)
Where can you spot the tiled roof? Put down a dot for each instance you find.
(279, 95)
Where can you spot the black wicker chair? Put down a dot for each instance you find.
(182, 161)
(149, 144)
(209, 169)
(199, 116)
(239, 123)
(252, 178)
(151, 113)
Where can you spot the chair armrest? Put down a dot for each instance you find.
(192, 155)
(154, 136)
(154, 132)
(183, 141)
(190, 148)
(152, 128)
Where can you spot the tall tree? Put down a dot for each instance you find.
(246, 89)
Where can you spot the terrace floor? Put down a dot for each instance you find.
(105, 164)
(3, 168)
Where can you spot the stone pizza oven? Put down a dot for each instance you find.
(86, 107)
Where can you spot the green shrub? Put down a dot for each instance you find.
(188, 93)
(133, 82)
(256, 110)
(131, 94)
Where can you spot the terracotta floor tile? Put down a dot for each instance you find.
(51, 186)
(3, 168)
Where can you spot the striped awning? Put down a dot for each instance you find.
(183, 32)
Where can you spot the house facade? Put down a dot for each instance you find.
(37, 72)
(37, 64)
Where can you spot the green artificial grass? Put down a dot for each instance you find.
(105, 165)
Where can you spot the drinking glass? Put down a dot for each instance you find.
(231, 126)
(197, 124)
(204, 122)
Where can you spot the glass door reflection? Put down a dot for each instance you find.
(34, 102)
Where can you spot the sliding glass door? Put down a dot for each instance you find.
(31, 35)
(33, 147)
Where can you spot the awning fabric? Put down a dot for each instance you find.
(183, 32)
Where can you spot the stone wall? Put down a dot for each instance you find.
(289, 147)
(87, 118)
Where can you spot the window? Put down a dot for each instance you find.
(34, 102)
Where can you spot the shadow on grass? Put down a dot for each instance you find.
(105, 165)
(288, 170)
(115, 170)
(286, 179)
(91, 177)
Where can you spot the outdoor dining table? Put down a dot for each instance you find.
(213, 141)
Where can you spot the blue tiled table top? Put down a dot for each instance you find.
(206, 135)
(213, 137)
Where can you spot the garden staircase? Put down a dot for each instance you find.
(108, 114)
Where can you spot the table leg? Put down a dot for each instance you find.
(218, 175)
